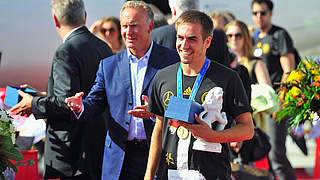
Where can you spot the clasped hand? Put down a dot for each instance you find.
(75, 102)
(24, 106)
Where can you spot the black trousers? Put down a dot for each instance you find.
(277, 155)
(135, 160)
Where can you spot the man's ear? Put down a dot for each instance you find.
(56, 21)
(151, 26)
(208, 41)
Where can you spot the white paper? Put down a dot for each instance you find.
(185, 175)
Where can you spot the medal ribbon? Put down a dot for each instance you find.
(196, 84)
(183, 144)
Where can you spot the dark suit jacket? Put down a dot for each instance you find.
(71, 144)
(218, 50)
(113, 90)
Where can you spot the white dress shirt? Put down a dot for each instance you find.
(138, 68)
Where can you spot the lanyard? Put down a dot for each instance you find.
(196, 84)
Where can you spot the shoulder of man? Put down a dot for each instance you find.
(111, 61)
(160, 47)
(167, 55)
(163, 29)
(277, 32)
(163, 32)
(168, 69)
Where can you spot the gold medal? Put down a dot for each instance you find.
(182, 132)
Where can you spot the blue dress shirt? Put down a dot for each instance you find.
(138, 69)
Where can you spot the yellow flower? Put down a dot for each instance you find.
(308, 65)
(317, 78)
(295, 91)
(295, 75)
(314, 71)
(282, 95)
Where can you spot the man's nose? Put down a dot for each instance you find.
(184, 43)
(129, 30)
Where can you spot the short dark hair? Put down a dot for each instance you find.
(269, 3)
(195, 16)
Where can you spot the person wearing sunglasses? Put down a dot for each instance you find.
(240, 42)
(274, 45)
(108, 29)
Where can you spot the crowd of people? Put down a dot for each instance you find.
(110, 86)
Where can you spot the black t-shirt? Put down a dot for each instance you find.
(275, 44)
(235, 102)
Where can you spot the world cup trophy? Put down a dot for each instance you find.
(212, 112)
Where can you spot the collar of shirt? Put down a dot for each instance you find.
(144, 59)
(68, 34)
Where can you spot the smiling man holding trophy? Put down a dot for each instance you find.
(183, 146)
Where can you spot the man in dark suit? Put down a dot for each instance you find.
(167, 35)
(73, 149)
(121, 82)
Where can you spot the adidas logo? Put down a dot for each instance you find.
(187, 92)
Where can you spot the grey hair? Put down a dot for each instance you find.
(69, 12)
(136, 4)
(184, 5)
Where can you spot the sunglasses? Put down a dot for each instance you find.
(262, 13)
(237, 35)
(104, 30)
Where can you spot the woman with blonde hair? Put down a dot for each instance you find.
(108, 29)
(263, 97)
(241, 43)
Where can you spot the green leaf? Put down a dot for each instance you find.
(6, 142)
(281, 114)
(15, 155)
(11, 165)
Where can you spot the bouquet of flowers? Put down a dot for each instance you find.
(7, 147)
(300, 93)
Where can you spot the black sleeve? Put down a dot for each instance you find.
(155, 106)
(285, 43)
(244, 76)
(65, 84)
(236, 97)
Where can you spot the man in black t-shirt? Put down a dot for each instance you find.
(194, 31)
(274, 45)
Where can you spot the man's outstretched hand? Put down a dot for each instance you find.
(141, 111)
(24, 106)
(75, 102)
